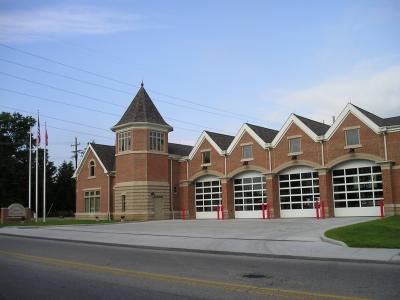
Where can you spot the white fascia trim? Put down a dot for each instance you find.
(239, 135)
(78, 169)
(200, 140)
(393, 128)
(293, 119)
(146, 125)
(345, 112)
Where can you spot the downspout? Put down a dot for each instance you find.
(187, 170)
(322, 153)
(108, 197)
(269, 159)
(171, 191)
(385, 143)
(225, 155)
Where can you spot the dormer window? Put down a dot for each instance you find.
(206, 157)
(156, 141)
(247, 152)
(352, 136)
(124, 140)
(92, 166)
(294, 145)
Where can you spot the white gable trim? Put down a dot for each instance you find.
(343, 115)
(293, 120)
(239, 135)
(200, 140)
(78, 169)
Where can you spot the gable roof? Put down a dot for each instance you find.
(266, 134)
(392, 121)
(142, 110)
(179, 149)
(378, 120)
(106, 155)
(317, 127)
(222, 140)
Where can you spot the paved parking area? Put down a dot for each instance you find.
(283, 237)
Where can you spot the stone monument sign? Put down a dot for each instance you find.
(15, 212)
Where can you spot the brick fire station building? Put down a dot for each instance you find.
(350, 166)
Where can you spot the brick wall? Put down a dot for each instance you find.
(84, 182)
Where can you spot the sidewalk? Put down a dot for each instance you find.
(280, 237)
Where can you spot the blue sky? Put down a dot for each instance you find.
(250, 61)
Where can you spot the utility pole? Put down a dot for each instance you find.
(76, 151)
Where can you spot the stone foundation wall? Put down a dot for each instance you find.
(143, 200)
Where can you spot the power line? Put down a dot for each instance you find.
(76, 131)
(72, 122)
(98, 85)
(59, 89)
(121, 82)
(97, 110)
(54, 118)
(65, 76)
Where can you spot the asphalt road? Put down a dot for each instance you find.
(42, 269)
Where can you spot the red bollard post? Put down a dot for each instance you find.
(183, 214)
(317, 208)
(322, 209)
(268, 211)
(381, 207)
(222, 212)
(218, 211)
(263, 210)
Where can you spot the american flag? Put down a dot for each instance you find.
(38, 132)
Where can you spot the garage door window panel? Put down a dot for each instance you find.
(300, 189)
(208, 195)
(249, 193)
(362, 185)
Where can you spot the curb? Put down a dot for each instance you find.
(332, 241)
(213, 252)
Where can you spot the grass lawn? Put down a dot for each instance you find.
(373, 234)
(56, 221)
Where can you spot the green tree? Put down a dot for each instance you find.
(14, 148)
(14, 161)
(63, 195)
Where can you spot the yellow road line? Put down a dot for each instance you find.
(227, 286)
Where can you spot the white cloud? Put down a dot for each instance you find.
(65, 20)
(377, 92)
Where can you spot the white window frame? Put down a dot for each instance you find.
(92, 166)
(244, 147)
(124, 140)
(346, 131)
(290, 140)
(91, 201)
(203, 163)
(156, 141)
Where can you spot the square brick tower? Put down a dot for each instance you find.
(141, 189)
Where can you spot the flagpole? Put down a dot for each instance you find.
(37, 170)
(30, 167)
(44, 173)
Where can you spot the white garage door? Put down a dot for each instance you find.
(207, 196)
(249, 194)
(298, 190)
(357, 188)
